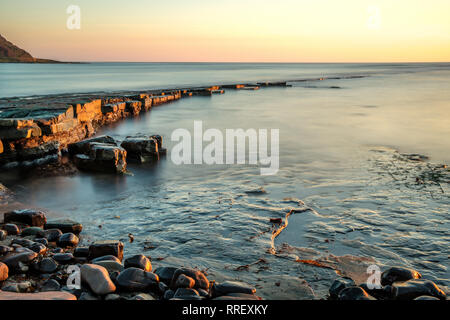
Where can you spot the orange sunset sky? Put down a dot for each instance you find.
(232, 31)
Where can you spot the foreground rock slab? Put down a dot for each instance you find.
(49, 295)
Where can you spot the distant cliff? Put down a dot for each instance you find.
(12, 53)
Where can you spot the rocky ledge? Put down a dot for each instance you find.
(36, 130)
(41, 259)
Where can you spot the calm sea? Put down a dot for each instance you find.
(342, 167)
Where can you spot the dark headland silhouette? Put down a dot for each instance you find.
(11, 53)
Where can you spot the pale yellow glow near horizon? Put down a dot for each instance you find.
(241, 31)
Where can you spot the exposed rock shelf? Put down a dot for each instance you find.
(35, 130)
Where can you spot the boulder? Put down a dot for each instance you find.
(50, 295)
(143, 296)
(4, 271)
(184, 281)
(81, 252)
(340, 284)
(41, 241)
(354, 293)
(63, 258)
(185, 292)
(39, 248)
(17, 262)
(65, 225)
(107, 247)
(383, 293)
(141, 148)
(23, 242)
(33, 231)
(138, 261)
(46, 265)
(396, 274)
(228, 287)
(5, 249)
(134, 279)
(97, 278)
(165, 274)
(28, 216)
(111, 266)
(68, 240)
(51, 285)
(200, 279)
(52, 235)
(83, 147)
(108, 257)
(412, 289)
(168, 295)
(103, 158)
(11, 229)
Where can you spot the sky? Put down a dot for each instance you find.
(231, 30)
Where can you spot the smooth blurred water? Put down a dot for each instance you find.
(340, 154)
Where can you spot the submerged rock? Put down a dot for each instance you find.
(396, 274)
(97, 278)
(412, 289)
(28, 216)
